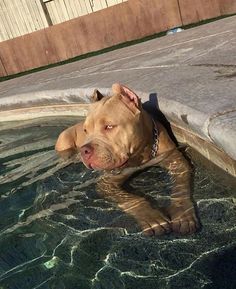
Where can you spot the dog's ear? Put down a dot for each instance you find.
(128, 97)
(96, 96)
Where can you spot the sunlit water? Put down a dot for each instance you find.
(57, 232)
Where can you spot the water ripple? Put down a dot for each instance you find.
(57, 232)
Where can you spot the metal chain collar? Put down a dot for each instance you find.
(155, 140)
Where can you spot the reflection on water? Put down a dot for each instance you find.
(57, 232)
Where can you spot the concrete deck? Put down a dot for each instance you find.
(192, 73)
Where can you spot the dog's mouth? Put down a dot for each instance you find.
(100, 156)
(93, 165)
(125, 163)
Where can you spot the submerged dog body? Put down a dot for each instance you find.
(118, 135)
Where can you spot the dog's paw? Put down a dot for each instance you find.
(152, 221)
(183, 218)
(185, 224)
(155, 227)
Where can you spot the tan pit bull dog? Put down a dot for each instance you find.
(119, 137)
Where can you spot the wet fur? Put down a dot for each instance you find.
(180, 216)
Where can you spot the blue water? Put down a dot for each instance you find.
(57, 232)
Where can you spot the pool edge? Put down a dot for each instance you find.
(206, 148)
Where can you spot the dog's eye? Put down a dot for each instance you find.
(85, 130)
(108, 127)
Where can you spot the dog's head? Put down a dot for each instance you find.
(114, 130)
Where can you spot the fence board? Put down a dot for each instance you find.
(16, 18)
(98, 5)
(56, 40)
(114, 2)
(63, 41)
(153, 16)
(70, 12)
(227, 6)
(61, 10)
(41, 15)
(33, 16)
(16, 15)
(195, 11)
(31, 47)
(49, 47)
(74, 6)
(2, 69)
(52, 11)
(28, 15)
(9, 58)
(86, 6)
(11, 24)
(20, 50)
(79, 7)
(4, 32)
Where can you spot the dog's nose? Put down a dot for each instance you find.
(86, 151)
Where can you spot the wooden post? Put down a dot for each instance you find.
(45, 10)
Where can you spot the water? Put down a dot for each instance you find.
(57, 232)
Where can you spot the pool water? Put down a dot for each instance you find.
(57, 232)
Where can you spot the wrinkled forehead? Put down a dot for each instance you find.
(109, 109)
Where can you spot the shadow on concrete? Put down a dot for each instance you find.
(152, 107)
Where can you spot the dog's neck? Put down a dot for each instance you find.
(148, 146)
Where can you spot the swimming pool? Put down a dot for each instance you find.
(57, 232)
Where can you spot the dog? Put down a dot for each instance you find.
(120, 138)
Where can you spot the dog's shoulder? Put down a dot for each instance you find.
(165, 142)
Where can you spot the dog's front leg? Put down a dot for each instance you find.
(181, 211)
(151, 221)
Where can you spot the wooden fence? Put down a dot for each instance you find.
(123, 22)
(19, 17)
(63, 10)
